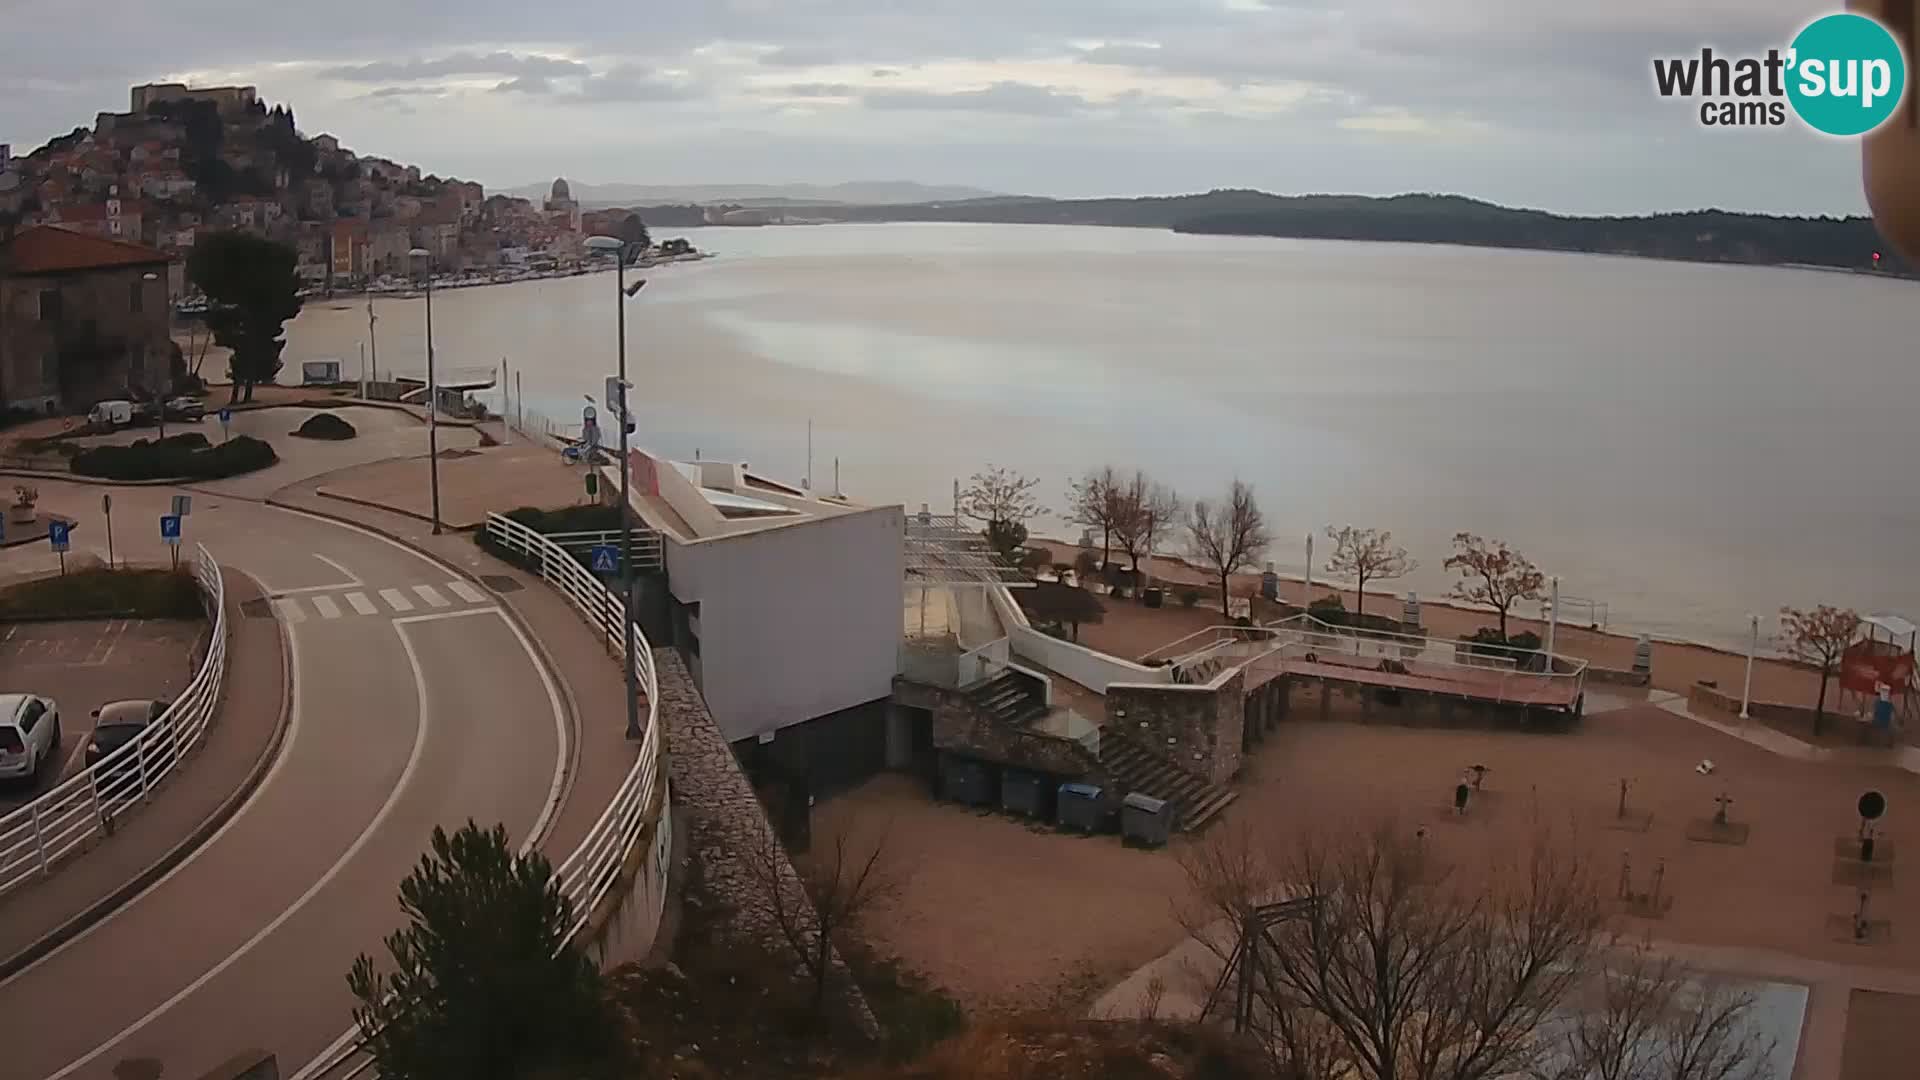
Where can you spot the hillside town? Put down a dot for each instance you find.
(183, 162)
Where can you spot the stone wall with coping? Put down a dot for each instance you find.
(726, 825)
(960, 727)
(1200, 728)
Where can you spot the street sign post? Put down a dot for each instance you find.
(106, 510)
(605, 559)
(170, 535)
(59, 535)
(182, 505)
(226, 418)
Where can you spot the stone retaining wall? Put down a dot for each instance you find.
(1200, 728)
(726, 825)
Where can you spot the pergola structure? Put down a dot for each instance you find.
(946, 560)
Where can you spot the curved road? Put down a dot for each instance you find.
(415, 703)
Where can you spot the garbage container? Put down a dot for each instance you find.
(1153, 596)
(1080, 807)
(964, 780)
(1145, 820)
(1023, 793)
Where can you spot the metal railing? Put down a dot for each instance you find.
(36, 836)
(589, 874)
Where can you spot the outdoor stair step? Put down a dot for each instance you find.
(1194, 799)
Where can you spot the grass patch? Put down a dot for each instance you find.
(98, 593)
(177, 457)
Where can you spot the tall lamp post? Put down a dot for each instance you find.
(622, 294)
(433, 398)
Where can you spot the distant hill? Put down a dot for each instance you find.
(1700, 235)
(856, 193)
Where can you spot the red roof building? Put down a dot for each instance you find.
(82, 318)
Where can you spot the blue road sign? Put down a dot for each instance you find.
(605, 559)
(170, 528)
(57, 534)
(226, 415)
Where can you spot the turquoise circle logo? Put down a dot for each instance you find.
(1848, 74)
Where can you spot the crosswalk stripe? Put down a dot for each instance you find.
(289, 609)
(396, 599)
(361, 604)
(432, 596)
(467, 592)
(326, 607)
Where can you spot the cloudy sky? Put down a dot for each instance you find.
(1547, 103)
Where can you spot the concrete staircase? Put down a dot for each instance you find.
(1010, 698)
(1195, 800)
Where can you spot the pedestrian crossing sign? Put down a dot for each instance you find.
(605, 559)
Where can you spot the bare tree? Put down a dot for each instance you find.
(1405, 970)
(810, 907)
(1227, 537)
(1493, 574)
(1147, 511)
(1646, 1016)
(1002, 500)
(1093, 501)
(1819, 637)
(1366, 555)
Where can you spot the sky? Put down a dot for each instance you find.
(1547, 103)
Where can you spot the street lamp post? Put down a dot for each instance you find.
(433, 399)
(621, 295)
(1753, 646)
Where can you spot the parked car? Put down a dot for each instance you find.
(117, 723)
(109, 415)
(186, 408)
(29, 735)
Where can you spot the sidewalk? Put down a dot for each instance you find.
(206, 789)
(591, 683)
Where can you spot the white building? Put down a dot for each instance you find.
(787, 603)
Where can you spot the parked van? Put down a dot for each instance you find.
(108, 415)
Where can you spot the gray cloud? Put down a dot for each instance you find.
(1015, 98)
(817, 90)
(459, 63)
(406, 92)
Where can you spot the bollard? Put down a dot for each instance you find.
(1643, 655)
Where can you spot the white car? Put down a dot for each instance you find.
(29, 735)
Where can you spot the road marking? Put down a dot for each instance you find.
(326, 607)
(396, 599)
(289, 610)
(467, 592)
(348, 574)
(556, 795)
(432, 596)
(386, 808)
(361, 604)
(438, 615)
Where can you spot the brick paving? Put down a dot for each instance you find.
(207, 787)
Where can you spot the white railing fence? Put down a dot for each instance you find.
(587, 875)
(88, 804)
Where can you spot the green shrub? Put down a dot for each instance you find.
(587, 518)
(1330, 610)
(1189, 596)
(175, 460)
(186, 440)
(103, 593)
(325, 426)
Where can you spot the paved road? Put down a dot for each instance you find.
(416, 703)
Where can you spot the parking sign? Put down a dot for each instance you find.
(57, 534)
(170, 529)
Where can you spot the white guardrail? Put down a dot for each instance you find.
(591, 871)
(36, 836)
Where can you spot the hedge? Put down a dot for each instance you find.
(178, 457)
(102, 593)
(325, 426)
(588, 518)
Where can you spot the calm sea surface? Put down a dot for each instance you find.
(1685, 443)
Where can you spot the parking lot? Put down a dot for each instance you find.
(84, 664)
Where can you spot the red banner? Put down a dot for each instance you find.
(1864, 669)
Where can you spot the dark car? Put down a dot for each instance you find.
(116, 725)
(186, 408)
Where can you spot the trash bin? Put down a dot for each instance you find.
(1153, 596)
(1145, 820)
(1023, 793)
(1080, 807)
(964, 780)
